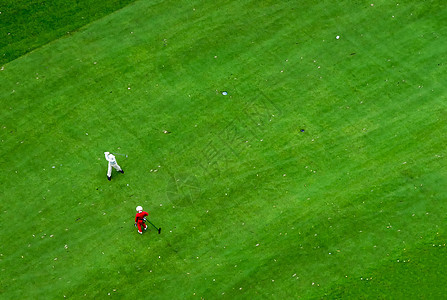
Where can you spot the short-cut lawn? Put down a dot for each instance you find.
(320, 174)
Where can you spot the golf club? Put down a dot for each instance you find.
(159, 229)
(120, 154)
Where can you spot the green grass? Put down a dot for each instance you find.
(250, 206)
(29, 24)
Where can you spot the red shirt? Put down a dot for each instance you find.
(139, 217)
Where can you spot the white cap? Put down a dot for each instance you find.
(139, 209)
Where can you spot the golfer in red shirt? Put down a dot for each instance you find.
(140, 218)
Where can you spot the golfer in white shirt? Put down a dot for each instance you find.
(112, 163)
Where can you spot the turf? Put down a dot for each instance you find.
(250, 205)
(29, 24)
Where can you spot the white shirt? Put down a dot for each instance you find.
(110, 158)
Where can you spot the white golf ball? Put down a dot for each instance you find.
(337, 37)
(224, 93)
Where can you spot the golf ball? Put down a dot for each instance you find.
(224, 93)
(337, 37)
